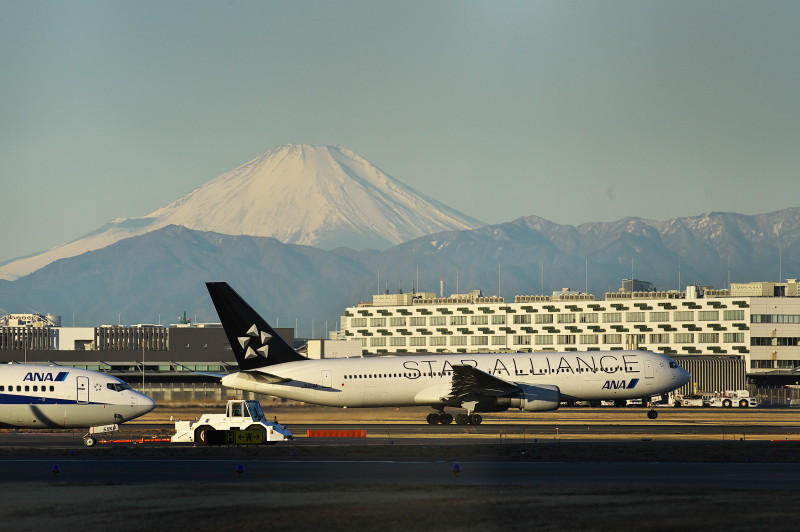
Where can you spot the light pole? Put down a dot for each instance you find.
(142, 340)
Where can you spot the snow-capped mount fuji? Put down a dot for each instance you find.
(322, 196)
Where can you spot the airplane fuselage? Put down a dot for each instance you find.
(410, 380)
(34, 396)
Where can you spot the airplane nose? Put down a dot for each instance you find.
(146, 404)
(141, 404)
(684, 377)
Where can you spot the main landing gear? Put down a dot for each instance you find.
(652, 414)
(460, 419)
(439, 417)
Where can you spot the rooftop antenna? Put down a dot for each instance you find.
(541, 269)
(498, 278)
(586, 275)
(729, 269)
(441, 280)
(679, 273)
(416, 286)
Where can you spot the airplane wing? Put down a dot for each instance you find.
(470, 381)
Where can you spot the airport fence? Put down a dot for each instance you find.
(778, 397)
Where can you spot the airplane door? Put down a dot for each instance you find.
(326, 378)
(648, 369)
(83, 390)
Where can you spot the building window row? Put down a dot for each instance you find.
(575, 339)
(775, 318)
(780, 341)
(585, 317)
(772, 364)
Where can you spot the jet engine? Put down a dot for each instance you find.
(532, 398)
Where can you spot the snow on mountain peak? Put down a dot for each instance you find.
(323, 196)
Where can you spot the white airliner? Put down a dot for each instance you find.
(531, 382)
(61, 397)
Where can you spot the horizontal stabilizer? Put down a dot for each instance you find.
(245, 380)
(215, 374)
(267, 378)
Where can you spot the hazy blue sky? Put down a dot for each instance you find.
(575, 111)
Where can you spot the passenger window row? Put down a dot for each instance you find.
(448, 373)
(27, 388)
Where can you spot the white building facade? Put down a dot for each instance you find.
(759, 322)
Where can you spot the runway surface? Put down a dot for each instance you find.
(720, 469)
(128, 470)
(407, 426)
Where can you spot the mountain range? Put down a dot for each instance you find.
(157, 276)
(157, 272)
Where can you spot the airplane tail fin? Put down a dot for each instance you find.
(254, 343)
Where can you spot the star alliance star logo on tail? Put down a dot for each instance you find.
(255, 343)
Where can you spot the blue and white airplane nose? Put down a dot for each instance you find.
(682, 376)
(142, 405)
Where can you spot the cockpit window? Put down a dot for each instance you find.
(118, 386)
(673, 364)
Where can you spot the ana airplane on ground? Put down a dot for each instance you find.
(531, 382)
(60, 397)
